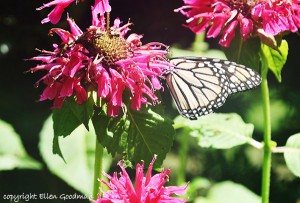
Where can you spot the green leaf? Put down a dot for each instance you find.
(139, 135)
(12, 152)
(70, 116)
(56, 148)
(229, 192)
(220, 131)
(149, 133)
(244, 52)
(292, 158)
(112, 133)
(79, 152)
(274, 59)
(197, 184)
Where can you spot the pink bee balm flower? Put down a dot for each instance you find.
(223, 17)
(100, 7)
(148, 189)
(104, 61)
(277, 16)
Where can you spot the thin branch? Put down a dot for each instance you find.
(285, 149)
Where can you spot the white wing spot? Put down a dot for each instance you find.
(249, 82)
(218, 65)
(231, 69)
(251, 72)
(201, 65)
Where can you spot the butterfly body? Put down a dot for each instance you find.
(199, 84)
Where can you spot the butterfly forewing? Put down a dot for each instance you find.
(196, 88)
(200, 84)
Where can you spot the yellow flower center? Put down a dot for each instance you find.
(109, 46)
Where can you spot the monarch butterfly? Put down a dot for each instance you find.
(199, 84)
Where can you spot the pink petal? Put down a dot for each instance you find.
(246, 27)
(75, 30)
(118, 87)
(55, 15)
(104, 84)
(67, 88)
(73, 66)
(216, 27)
(228, 34)
(149, 171)
(136, 101)
(55, 2)
(102, 6)
(155, 83)
(80, 93)
(63, 34)
(50, 92)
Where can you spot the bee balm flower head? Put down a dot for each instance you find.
(223, 17)
(147, 189)
(104, 60)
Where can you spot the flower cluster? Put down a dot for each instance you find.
(101, 59)
(223, 17)
(148, 189)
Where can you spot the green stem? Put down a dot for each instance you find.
(97, 169)
(183, 150)
(266, 171)
(199, 44)
(239, 50)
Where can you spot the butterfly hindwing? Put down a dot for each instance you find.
(200, 84)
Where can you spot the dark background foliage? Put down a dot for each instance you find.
(21, 32)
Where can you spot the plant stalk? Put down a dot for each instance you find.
(183, 150)
(266, 170)
(97, 169)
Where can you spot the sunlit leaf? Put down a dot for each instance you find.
(275, 59)
(68, 118)
(221, 131)
(12, 152)
(292, 158)
(229, 192)
(78, 150)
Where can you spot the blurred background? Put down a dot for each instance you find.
(21, 32)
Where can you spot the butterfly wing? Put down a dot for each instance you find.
(200, 84)
(240, 78)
